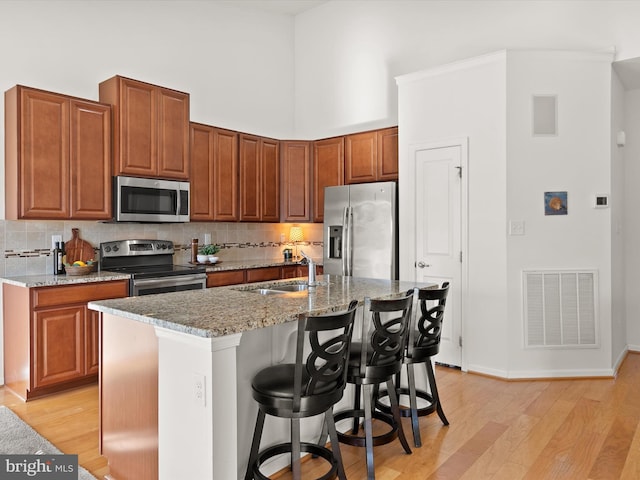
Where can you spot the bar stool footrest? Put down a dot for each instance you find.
(282, 448)
(406, 411)
(356, 441)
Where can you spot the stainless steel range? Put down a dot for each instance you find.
(150, 264)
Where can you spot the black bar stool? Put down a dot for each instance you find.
(423, 343)
(310, 386)
(375, 360)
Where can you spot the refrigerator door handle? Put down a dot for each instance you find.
(346, 241)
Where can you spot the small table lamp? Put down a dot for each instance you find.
(295, 236)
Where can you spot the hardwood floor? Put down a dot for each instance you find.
(530, 430)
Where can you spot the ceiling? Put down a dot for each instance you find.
(287, 7)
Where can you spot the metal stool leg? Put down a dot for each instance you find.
(434, 392)
(368, 431)
(295, 448)
(255, 444)
(413, 402)
(395, 409)
(330, 424)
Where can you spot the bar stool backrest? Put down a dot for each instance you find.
(325, 366)
(424, 340)
(382, 355)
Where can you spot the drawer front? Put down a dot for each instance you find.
(262, 274)
(220, 279)
(82, 293)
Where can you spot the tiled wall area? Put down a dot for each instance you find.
(27, 244)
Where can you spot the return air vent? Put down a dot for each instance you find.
(560, 308)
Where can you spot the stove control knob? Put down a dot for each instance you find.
(107, 248)
(116, 248)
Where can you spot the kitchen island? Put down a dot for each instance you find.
(176, 372)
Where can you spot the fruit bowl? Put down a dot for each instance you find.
(78, 269)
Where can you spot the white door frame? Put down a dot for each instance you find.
(463, 143)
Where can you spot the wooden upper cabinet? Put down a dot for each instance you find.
(328, 170)
(90, 163)
(150, 128)
(387, 154)
(201, 150)
(57, 156)
(371, 156)
(225, 175)
(270, 168)
(214, 173)
(360, 157)
(259, 179)
(295, 167)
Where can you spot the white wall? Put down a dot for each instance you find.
(348, 52)
(576, 160)
(619, 338)
(465, 99)
(632, 218)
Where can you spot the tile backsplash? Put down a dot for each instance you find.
(27, 244)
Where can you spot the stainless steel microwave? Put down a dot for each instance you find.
(150, 200)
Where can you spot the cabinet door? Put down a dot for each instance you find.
(44, 156)
(137, 132)
(296, 181)
(90, 160)
(249, 178)
(388, 154)
(201, 178)
(360, 157)
(228, 277)
(225, 175)
(58, 348)
(328, 170)
(173, 134)
(270, 184)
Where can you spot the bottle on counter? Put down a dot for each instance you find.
(194, 250)
(58, 259)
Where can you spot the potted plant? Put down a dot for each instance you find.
(207, 253)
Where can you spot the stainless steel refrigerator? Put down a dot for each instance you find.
(360, 230)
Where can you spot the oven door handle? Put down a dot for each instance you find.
(170, 281)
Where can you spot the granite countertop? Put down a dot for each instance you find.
(215, 312)
(50, 280)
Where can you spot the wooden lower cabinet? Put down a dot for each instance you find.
(51, 337)
(250, 275)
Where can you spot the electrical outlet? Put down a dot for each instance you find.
(54, 239)
(199, 389)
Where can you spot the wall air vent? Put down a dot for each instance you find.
(560, 308)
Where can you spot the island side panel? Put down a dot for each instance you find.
(17, 346)
(129, 398)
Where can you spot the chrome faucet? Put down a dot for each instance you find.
(312, 269)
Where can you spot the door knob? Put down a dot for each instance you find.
(421, 264)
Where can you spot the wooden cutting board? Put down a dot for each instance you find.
(78, 249)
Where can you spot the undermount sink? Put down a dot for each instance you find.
(289, 288)
(296, 287)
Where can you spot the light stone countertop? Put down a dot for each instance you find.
(48, 280)
(51, 280)
(215, 312)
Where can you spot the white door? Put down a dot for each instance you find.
(439, 235)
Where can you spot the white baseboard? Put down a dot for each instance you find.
(542, 374)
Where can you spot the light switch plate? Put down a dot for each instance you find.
(516, 227)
